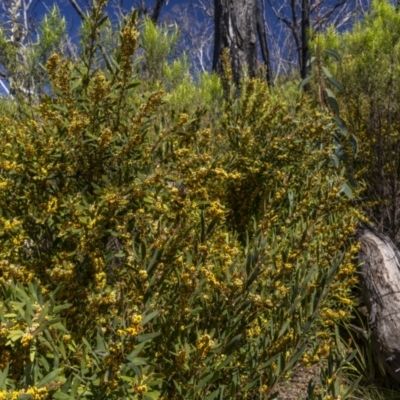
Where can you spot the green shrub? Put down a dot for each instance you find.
(369, 103)
(146, 255)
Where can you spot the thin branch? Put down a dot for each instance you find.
(77, 9)
(332, 10)
(157, 10)
(103, 52)
(4, 87)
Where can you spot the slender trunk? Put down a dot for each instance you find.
(262, 37)
(19, 81)
(305, 27)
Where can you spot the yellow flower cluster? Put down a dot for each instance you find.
(35, 393)
(123, 210)
(204, 345)
(134, 329)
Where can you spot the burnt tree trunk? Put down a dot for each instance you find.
(262, 36)
(304, 53)
(237, 24)
(380, 280)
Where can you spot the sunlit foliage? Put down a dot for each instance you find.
(155, 253)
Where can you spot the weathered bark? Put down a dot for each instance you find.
(304, 53)
(236, 30)
(381, 292)
(262, 37)
(19, 82)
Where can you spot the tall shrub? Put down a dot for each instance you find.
(145, 255)
(370, 101)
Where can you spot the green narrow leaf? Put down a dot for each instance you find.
(341, 125)
(335, 160)
(132, 85)
(305, 81)
(253, 277)
(311, 60)
(147, 336)
(3, 377)
(149, 317)
(334, 82)
(203, 228)
(62, 396)
(283, 329)
(15, 335)
(329, 93)
(352, 387)
(61, 307)
(32, 353)
(75, 386)
(354, 144)
(153, 262)
(327, 72)
(178, 387)
(152, 396)
(332, 102)
(250, 385)
(296, 357)
(233, 342)
(347, 190)
(226, 361)
(77, 84)
(212, 225)
(213, 395)
(204, 381)
(333, 53)
(49, 377)
(234, 385)
(103, 20)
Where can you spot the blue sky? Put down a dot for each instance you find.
(74, 21)
(70, 13)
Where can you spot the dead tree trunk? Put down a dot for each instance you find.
(236, 30)
(262, 37)
(304, 52)
(381, 292)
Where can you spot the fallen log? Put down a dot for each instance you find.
(380, 282)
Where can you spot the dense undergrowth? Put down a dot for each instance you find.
(162, 239)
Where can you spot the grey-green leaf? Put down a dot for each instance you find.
(49, 377)
(305, 81)
(333, 103)
(333, 53)
(334, 82)
(354, 144)
(347, 190)
(341, 125)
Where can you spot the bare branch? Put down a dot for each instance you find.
(156, 10)
(77, 8)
